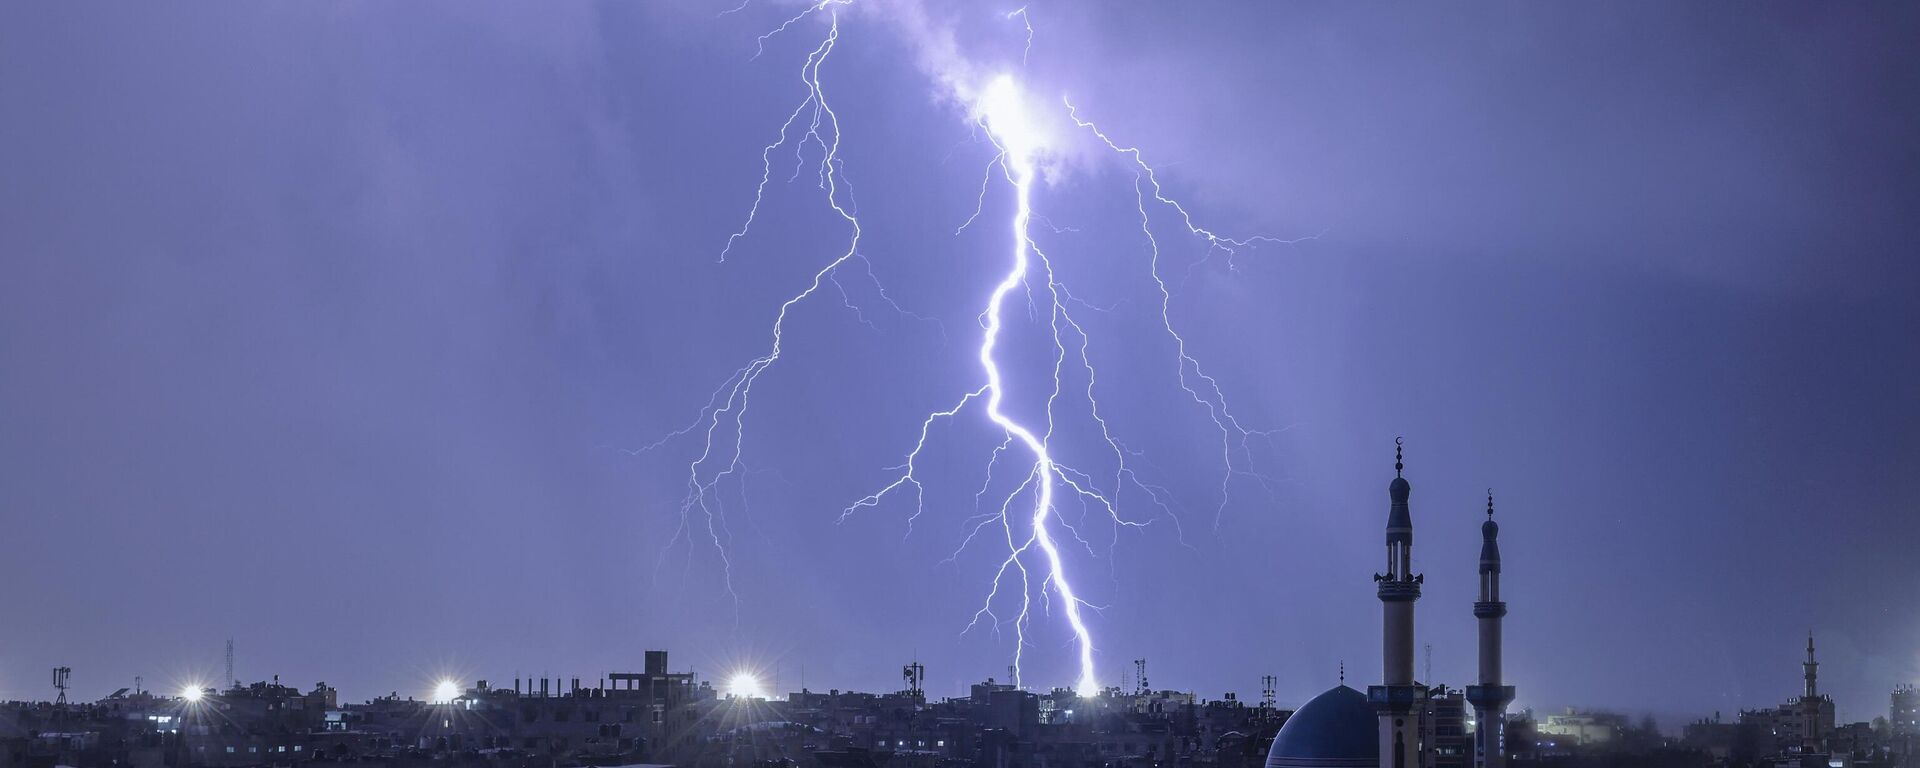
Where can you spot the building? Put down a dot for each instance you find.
(1403, 722)
(1798, 731)
(1576, 728)
(1445, 736)
(1903, 716)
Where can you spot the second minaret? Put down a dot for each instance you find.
(1489, 698)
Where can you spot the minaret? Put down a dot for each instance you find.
(1489, 697)
(1813, 669)
(1399, 700)
(1815, 710)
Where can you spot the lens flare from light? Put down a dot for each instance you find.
(192, 693)
(445, 691)
(745, 685)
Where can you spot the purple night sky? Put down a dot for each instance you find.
(333, 328)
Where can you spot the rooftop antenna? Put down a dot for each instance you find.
(914, 674)
(60, 682)
(1267, 683)
(1429, 662)
(136, 684)
(1140, 679)
(231, 680)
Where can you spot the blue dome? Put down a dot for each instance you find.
(1337, 729)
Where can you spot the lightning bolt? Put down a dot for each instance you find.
(722, 421)
(1016, 158)
(1029, 518)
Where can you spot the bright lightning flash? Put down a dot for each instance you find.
(1003, 111)
(745, 685)
(445, 692)
(1007, 123)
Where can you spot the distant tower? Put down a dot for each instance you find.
(914, 674)
(60, 683)
(1816, 710)
(231, 680)
(1140, 677)
(1399, 701)
(1489, 698)
(1813, 669)
(1267, 683)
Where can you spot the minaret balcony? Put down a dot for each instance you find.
(1396, 698)
(1490, 609)
(1398, 590)
(1489, 696)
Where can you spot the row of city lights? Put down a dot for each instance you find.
(444, 691)
(743, 685)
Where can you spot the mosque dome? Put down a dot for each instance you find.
(1337, 729)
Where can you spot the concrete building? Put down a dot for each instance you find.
(1445, 738)
(1576, 728)
(1903, 714)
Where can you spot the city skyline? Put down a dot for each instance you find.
(361, 335)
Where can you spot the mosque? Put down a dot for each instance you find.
(1344, 728)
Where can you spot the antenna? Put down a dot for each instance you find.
(136, 684)
(1140, 677)
(914, 674)
(60, 682)
(231, 680)
(1013, 675)
(1267, 683)
(1429, 662)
